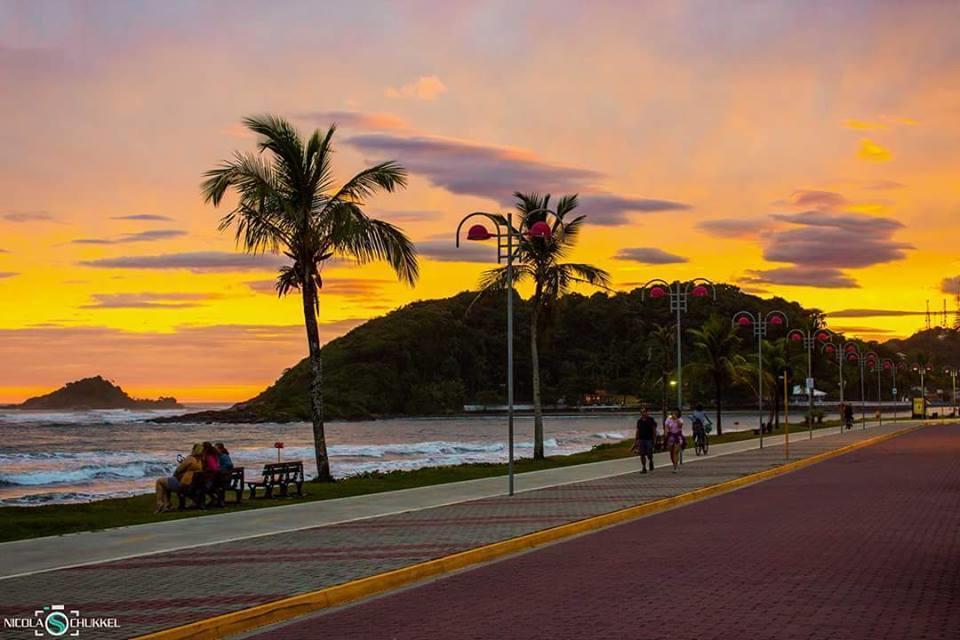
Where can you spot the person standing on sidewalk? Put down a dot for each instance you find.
(646, 432)
(673, 434)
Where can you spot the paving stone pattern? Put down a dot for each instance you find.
(153, 592)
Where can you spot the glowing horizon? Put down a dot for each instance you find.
(809, 152)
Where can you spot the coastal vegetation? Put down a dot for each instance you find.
(288, 203)
(432, 357)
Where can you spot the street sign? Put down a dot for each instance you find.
(894, 392)
(809, 384)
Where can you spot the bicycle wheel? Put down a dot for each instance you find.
(706, 444)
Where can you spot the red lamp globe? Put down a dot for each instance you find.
(776, 320)
(540, 230)
(744, 321)
(478, 232)
(657, 292)
(795, 336)
(700, 291)
(852, 357)
(830, 348)
(886, 365)
(823, 336)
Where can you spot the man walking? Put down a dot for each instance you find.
(646, 432)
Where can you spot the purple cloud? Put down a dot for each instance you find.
(873, 313)
(443, 249)
(145, 217)
(838, 241)
(408, 216)
(28, 216)
(610, 210)
(649, 255)
(799, 276)
(148, 300)
(733, 227)
(495, 172)
(197, 262)
(8, 274)
(816, 199)
(353, 288)
(884, 185)
(142, 236)
(950, 285)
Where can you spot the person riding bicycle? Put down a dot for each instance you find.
(847, 411)
(701, 423)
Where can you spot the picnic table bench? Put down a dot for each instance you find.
(279, 475)
(209, 488)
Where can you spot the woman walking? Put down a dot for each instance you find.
(673, 433)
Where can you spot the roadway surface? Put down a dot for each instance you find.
(866, 545)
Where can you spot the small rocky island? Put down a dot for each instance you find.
(94, 393)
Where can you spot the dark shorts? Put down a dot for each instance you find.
(645, 447)
(173, 484)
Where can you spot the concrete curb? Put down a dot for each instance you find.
(287, 608)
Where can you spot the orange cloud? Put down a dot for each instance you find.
(873, 152)
(423, 88)
(863, 125)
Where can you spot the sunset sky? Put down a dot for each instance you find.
(804, 149)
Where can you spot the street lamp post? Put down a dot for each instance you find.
(923, 369)
(888, 364)
(873, 360)
(507, 250)
(759, 323)
(952, 371)
(678, 292)
(830, 348)
(855, 354)
(809, 340)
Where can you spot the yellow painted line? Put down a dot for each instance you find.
(287, 608)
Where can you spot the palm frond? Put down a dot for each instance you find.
(353, 234)
(388, 176)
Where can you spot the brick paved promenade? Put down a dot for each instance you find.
(169, 589)
(866, 545)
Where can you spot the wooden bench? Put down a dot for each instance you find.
(209, 488)
(280, 476)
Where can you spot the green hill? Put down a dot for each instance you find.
(434, 356)
(94, 393)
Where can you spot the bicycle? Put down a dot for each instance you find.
(701, 441)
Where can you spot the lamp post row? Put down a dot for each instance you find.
(509, 240)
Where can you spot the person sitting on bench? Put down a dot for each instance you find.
(226, 463)
(182, 477)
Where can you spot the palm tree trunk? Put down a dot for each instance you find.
(664, 376)
(316, 382)
(718, 385)
(535, 364)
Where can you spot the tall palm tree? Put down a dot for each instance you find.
(287, 203)
(663, 342)
(718, 345)
(539, 260)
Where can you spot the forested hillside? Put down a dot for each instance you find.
(434, 356)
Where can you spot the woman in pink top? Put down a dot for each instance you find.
(673, 436)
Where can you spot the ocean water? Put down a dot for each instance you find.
(64, 457)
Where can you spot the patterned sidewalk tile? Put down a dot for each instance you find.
(173, 588)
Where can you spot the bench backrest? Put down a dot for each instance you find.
(283, 471)
(233, 478)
